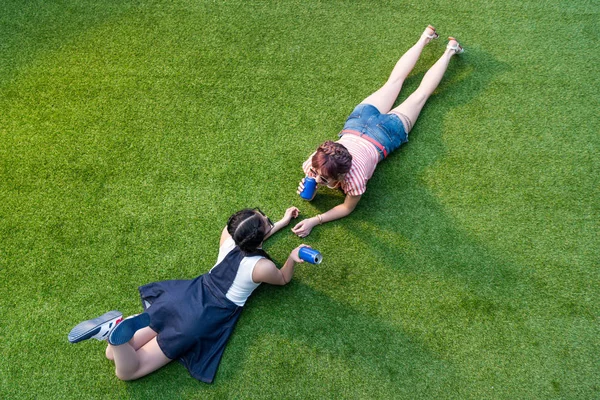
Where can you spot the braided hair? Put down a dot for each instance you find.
(247, 229)
(332, 160)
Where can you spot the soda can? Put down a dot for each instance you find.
(310, 186)
(310, 255)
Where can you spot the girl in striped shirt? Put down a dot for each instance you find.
(372, 131)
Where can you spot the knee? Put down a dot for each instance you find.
(393, 86)
(123, 375)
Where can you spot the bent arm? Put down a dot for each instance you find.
(266, 271)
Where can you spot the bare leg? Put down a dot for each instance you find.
(385, 97)
(412, 106)
(131, 364)
(140, 338)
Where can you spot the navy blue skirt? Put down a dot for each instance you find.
(194, 321)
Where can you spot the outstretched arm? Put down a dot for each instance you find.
(290, 213)
(304, 227)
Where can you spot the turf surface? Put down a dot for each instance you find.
(131, 130)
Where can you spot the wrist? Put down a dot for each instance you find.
(319, 219)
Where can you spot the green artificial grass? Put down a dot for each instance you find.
(131, 130)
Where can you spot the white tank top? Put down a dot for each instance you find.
(243, 285)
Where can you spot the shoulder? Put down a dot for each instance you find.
(354, 184)
(224, 236)
(308, 163)
(263, 269)
(228, 243)
(265, 264)
(225, 248)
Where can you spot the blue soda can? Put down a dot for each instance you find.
(310, 255)
(310, 186)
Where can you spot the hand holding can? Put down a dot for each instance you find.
(310, 255)
(310, 187)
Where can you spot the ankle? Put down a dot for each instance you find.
(428, 34)
(453, 47)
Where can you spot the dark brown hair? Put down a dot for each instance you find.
(247, 229)
(332, 160)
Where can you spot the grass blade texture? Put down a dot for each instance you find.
(131, 130)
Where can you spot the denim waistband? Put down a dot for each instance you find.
(366, 137)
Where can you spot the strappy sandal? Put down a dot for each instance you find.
(434, 35)
(458, 49)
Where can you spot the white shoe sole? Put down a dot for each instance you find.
(90, 328)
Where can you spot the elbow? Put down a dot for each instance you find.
(285, 280)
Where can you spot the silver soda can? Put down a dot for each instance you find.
(310, 255)
(310, 186)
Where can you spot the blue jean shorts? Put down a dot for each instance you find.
(386, 129)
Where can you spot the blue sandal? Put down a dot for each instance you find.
(124, 332)
(97, 328)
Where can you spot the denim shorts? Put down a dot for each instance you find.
(386, 129)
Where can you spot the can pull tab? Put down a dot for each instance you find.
(310, 255)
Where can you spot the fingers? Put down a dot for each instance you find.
(298, 227)
(302, 232)
(295, 256)
(299, 231)
(302, 228)
(291, 212)
(300, 186)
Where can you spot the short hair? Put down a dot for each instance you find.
(332, 160)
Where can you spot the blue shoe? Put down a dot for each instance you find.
(123, 332)
(97, 328)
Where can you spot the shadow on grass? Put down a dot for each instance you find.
(385, 357)
(411, 210)
(377, 348)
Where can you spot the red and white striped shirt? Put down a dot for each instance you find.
(364, 160)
